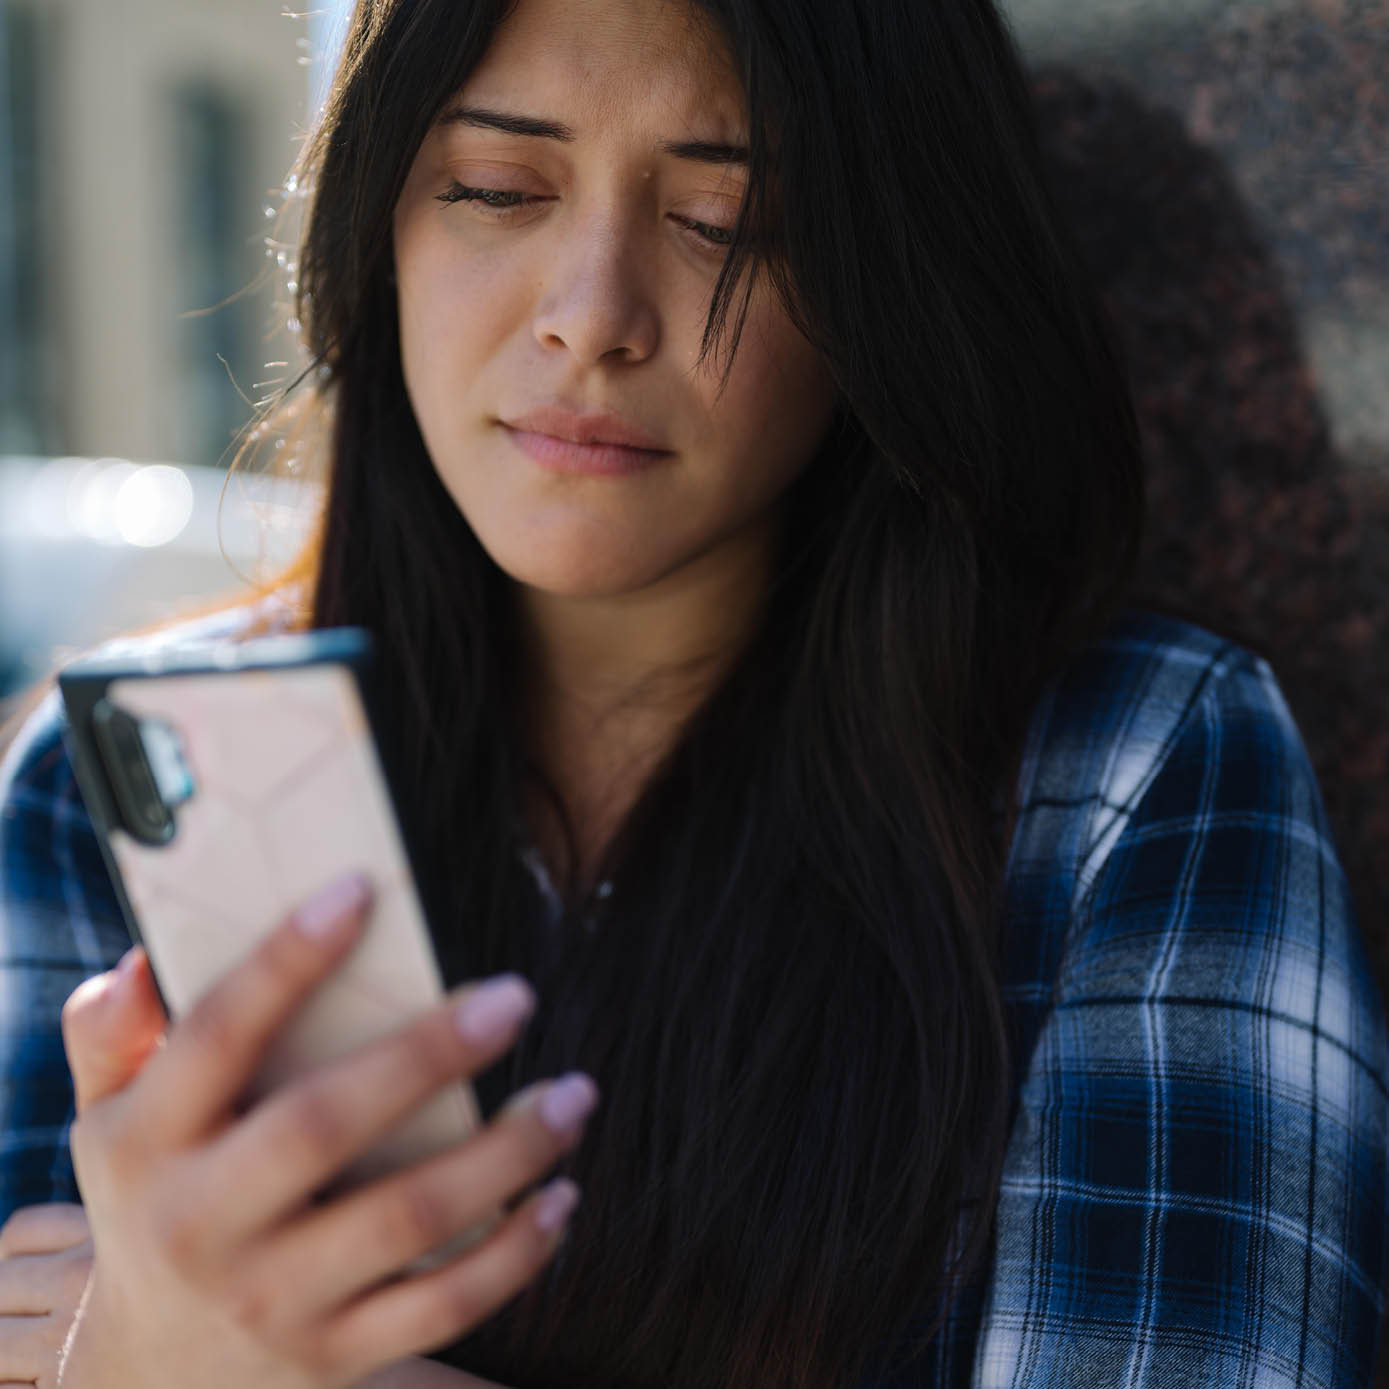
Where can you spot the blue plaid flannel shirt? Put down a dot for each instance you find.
(1194, 1191)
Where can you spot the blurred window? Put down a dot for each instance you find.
(212, 134)
(26, 425)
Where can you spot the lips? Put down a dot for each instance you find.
(593, 460)
(593, 427)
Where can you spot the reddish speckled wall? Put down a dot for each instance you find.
(1225, 169)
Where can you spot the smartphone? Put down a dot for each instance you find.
(227, 782)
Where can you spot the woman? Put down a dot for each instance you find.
(741, 487)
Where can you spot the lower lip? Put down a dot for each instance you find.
(596, 460)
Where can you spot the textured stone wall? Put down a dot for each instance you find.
(1225, 174)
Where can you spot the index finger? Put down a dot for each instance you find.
(211, 1052)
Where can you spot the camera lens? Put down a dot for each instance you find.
(133, 787)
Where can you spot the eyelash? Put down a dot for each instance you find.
(459, 193)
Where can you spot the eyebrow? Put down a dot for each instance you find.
(696, 151)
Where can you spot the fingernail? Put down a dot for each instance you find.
(116, 980)
(556, 1203)
(326, 910)
(125, 967)
(493, 1009)
(568, 1101)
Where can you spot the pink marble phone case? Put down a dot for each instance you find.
(289, 795)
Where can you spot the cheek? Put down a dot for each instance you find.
(780, 399)
(454, 312)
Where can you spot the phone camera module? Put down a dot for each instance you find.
(167, 762)
(145, 769)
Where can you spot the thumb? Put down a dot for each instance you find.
(111, 1022)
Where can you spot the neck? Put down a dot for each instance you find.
(663, 646)
(612, 679)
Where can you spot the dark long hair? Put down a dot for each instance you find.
(789, 996)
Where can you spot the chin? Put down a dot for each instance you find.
(581, 574)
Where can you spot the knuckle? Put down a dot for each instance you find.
(417, 1216)
(250, 1305)
(319, 1130)
(177, 1231)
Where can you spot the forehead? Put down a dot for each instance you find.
(604, 64)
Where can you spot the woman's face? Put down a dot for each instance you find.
(573, 269)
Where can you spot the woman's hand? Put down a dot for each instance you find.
(213, 1265)
(45, 1255)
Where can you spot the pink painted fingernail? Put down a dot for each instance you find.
(328, 910)
(556, 1204)
(493, 1009)
(568, 1102)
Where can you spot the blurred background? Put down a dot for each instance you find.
(144, 148)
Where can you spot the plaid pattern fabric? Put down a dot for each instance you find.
(1195, 1184)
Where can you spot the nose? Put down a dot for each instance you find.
(596, 299)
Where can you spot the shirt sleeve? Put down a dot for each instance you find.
(60, 923)
(1194, 1190)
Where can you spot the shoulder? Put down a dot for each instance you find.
(1156, 708)
(1172, 841)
